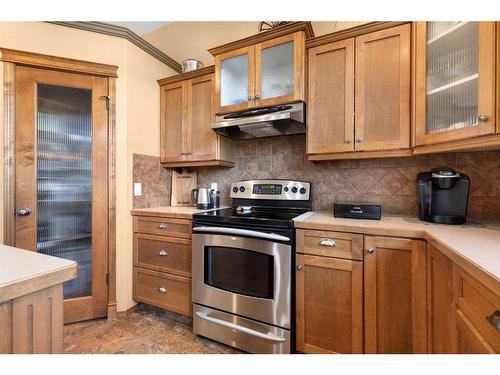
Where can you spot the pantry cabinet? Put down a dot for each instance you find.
(395, 295)
(455, 81)
(359, 93)
(262, 70)
(186, 115)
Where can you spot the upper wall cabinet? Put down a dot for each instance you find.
(262, 70)
(359, 93)
(186, 115)
(455, 81)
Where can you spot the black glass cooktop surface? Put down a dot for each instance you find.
(254, 216)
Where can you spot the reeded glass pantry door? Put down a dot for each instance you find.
(61, 179)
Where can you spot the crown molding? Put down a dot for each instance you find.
(123, 32)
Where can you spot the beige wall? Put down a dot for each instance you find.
(181, 40)
(137, 111)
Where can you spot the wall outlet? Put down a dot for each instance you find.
(137, 189)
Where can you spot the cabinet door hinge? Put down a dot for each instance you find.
(106, 98)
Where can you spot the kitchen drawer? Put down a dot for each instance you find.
(478, 303)
(163, 290)
(165, 254)
(330, 244)
(163, 226)
(468, 338)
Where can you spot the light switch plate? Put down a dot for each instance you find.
(137, 189)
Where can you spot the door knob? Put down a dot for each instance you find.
(371, 250)
(482, 118)
(24, 212)
(299, 267)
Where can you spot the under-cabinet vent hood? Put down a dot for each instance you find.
(262, 122)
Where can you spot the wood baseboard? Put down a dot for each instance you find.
(128, 312)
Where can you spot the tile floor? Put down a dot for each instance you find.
(146, 331)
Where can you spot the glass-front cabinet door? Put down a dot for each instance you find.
(454, 80)
(278, 68)
(234, 80)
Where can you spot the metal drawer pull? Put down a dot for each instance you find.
(162, 253)
(482, 118)
(327, 242)
(163, 226)
(371, 250)
(494, 320)
(299, 267)
(266, 336)
(162, 289)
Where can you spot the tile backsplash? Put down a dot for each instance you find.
(388, 181)
(155, 180)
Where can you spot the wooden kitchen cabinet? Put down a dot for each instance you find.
(162, 262)
(478, 314)
(186, 115)
(262, 70)
(468, 338)
(383, 90)
(330, 115)
(455, 85)
(440, 312)
(329, 305)
(359, 93)
(395, 295)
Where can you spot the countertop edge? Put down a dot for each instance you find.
(20, 287)
(160, 212)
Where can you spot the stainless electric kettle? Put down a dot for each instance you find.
(201, 197)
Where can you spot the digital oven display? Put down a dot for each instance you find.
(271, 189)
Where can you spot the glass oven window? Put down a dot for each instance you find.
(239, 271)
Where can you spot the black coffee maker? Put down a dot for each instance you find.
(443, 196)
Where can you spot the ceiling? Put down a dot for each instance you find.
(140, 27)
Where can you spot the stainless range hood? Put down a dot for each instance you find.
(262, 122)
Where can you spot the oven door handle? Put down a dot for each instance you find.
(241, 232)
(266, 336)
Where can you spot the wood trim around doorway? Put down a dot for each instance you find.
(9, 122)
(111, 200)
(41, 61)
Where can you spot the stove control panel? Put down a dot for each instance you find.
(271, 189)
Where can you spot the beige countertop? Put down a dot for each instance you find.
(23, 272)
(477, 244)
(170, 211)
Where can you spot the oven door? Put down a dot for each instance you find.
(243, 275)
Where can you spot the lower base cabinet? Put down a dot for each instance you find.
(376, 304)
(440, 312)
(329, 305)
(460, 309)
(395, 295)
(162, 263)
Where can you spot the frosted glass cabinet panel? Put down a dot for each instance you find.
(455, 65)
(234, 80)
(263, 74)
(277, 71)
(64, 180)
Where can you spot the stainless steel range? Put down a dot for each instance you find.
(242, 266)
